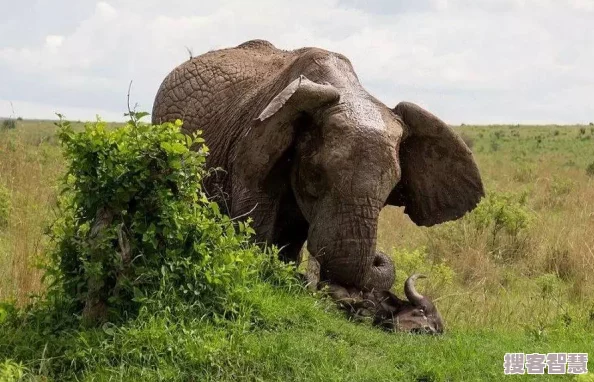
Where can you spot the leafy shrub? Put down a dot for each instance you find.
(5, 206)
(9, 124)
(502, 212)
(505, 217)
(582, 130)
(408, 262)
(136, 229)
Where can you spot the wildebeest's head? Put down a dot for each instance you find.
(417, 314)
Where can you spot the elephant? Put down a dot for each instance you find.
(309, 155)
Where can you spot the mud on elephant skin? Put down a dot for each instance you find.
(310, 155)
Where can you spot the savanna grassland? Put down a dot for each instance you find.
(515, 275)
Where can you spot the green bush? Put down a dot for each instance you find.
(9, 124)
(505, 217)
(502, 212)
(5, 206)
(408, 262)
(136, 229)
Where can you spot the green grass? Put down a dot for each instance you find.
(541, 299)
(292, 338)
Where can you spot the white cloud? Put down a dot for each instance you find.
(585, 5)
(53, 41)
(106, 11)
(441, 4)
(38, 110)
(466, 60)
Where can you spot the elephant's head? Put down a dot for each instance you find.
(416, 315)
(345, 156)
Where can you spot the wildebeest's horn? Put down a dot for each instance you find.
(410, 291)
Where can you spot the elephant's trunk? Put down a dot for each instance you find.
(382, 274)
(345, 246)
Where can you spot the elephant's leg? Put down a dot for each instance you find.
(276, 221)
(260, 208)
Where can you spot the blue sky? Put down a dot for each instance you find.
(468, 61)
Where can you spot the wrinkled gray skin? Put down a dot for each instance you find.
(311, 155)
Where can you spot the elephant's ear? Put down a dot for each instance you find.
(440, 180)
(273, 131)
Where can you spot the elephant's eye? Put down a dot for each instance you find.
(311, 190)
